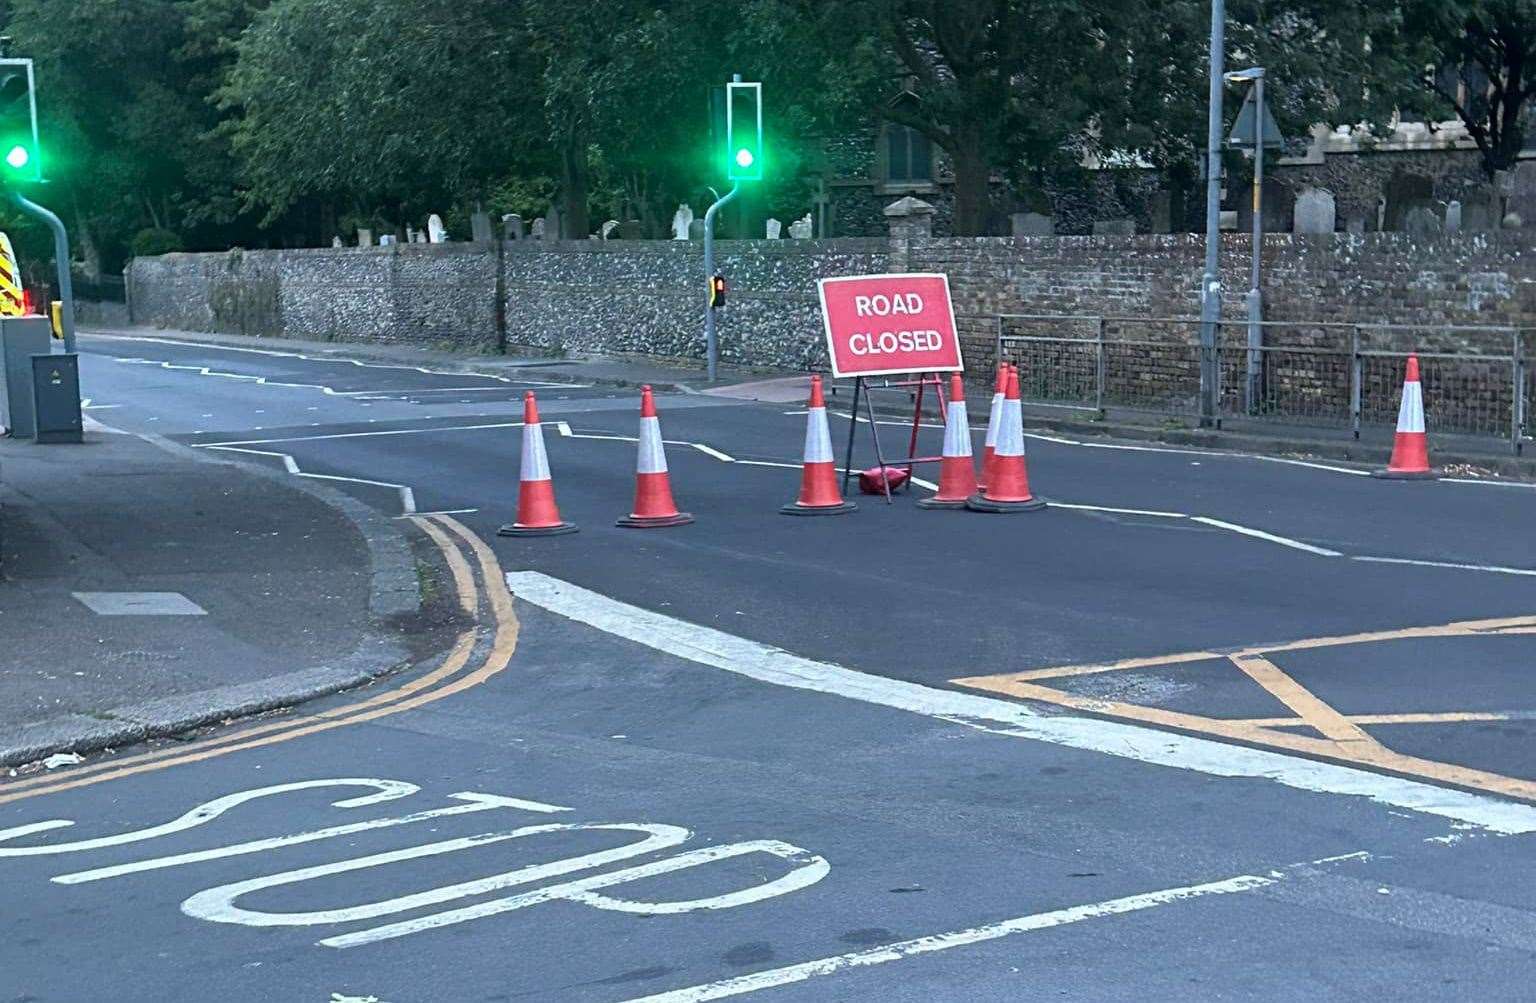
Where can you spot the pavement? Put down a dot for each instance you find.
(146, 588)
(1210, 725)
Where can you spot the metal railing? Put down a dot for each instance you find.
(1323, 374)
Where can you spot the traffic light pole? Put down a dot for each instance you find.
(711, 342)
(61, 256)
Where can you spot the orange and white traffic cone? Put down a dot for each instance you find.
(536, 511)
(957, 471)
(1008, 484)
(1410, 449)
(654, 506)
(994, 417)
(819, 493)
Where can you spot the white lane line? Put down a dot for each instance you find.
(708, 646)
(338, 360)
(1491, 568)
(407, 495)
(441, 511)
(709, 450)
(1120, 511)
(357, 435)
(1259, 534)
(1487, 483)
(901, 950)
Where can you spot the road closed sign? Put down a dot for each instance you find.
(882, 324)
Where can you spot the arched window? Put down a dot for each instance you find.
(909, 156)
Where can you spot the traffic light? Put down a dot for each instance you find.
(19, 159)
(716, 291)
(744, 131)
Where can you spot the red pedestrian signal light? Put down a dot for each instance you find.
(716, 291)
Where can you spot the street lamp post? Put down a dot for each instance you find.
(1255, 368)
(1210, 284)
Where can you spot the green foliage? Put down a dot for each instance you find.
(151, 241)
(254, 122)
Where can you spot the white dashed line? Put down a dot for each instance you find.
(1259, 534)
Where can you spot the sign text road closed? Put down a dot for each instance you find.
(879, 324)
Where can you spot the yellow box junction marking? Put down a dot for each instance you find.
(1342, 736)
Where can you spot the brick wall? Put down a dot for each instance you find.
(643, 297)
(584, 297)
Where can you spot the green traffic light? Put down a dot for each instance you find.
(18, 157)
(744, 158)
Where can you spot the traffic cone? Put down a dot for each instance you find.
(819, 493)
(1008, 485)
(1410, 449)
(993, 418)
(654, 506)
(957, 472)
(536, 511)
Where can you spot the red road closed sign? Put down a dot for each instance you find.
(880, 324)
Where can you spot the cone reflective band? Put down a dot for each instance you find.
(1410, 447)
(957, 474)
(1007, 487)
(819, 493)
(654, 506)
(536, 511)
(993, 418)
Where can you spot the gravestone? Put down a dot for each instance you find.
(606, 230)
(630, 229)
(1422, 221)
(1032, 224)
(1453, 217)
(539, 227)
(364, 237)
(552, 224)
(1114, 227)
(436, 234)
(682, 221)
(772, 228)
(512, 226)
(1478, 216)
(1354, 224)
(1513, 221)
(410, 234)
(1315, 211)
(387, 239)
(696, 230)
(336, 241)
(801, 228)
(480, 227)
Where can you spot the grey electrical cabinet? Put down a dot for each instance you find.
(20, 339)
(56, 397)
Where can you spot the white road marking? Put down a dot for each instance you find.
(406, 493)
(1488, 483)
(809, 869)
(358, 435)
(709, 450)
(1149, 745)
(1119, 511)
(441, 511)
(901, 950)
(1259, 534)
(1491, 568)
(385, 790)
(473, 803)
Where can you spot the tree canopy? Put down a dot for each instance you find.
(213, 123)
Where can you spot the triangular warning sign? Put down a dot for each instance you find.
(1241, 136)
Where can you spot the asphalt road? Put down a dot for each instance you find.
(796, 758)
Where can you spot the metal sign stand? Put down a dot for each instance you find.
(922, 382)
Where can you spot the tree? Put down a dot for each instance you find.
(1477, 57)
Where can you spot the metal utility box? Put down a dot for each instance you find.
(56, 397)
(20, 339)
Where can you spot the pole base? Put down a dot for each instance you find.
(1407, 475)
(513, 529)
(795, 508)
(940, 503)
(981, 503)
(655, 521)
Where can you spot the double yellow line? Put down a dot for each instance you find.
(487, 601)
